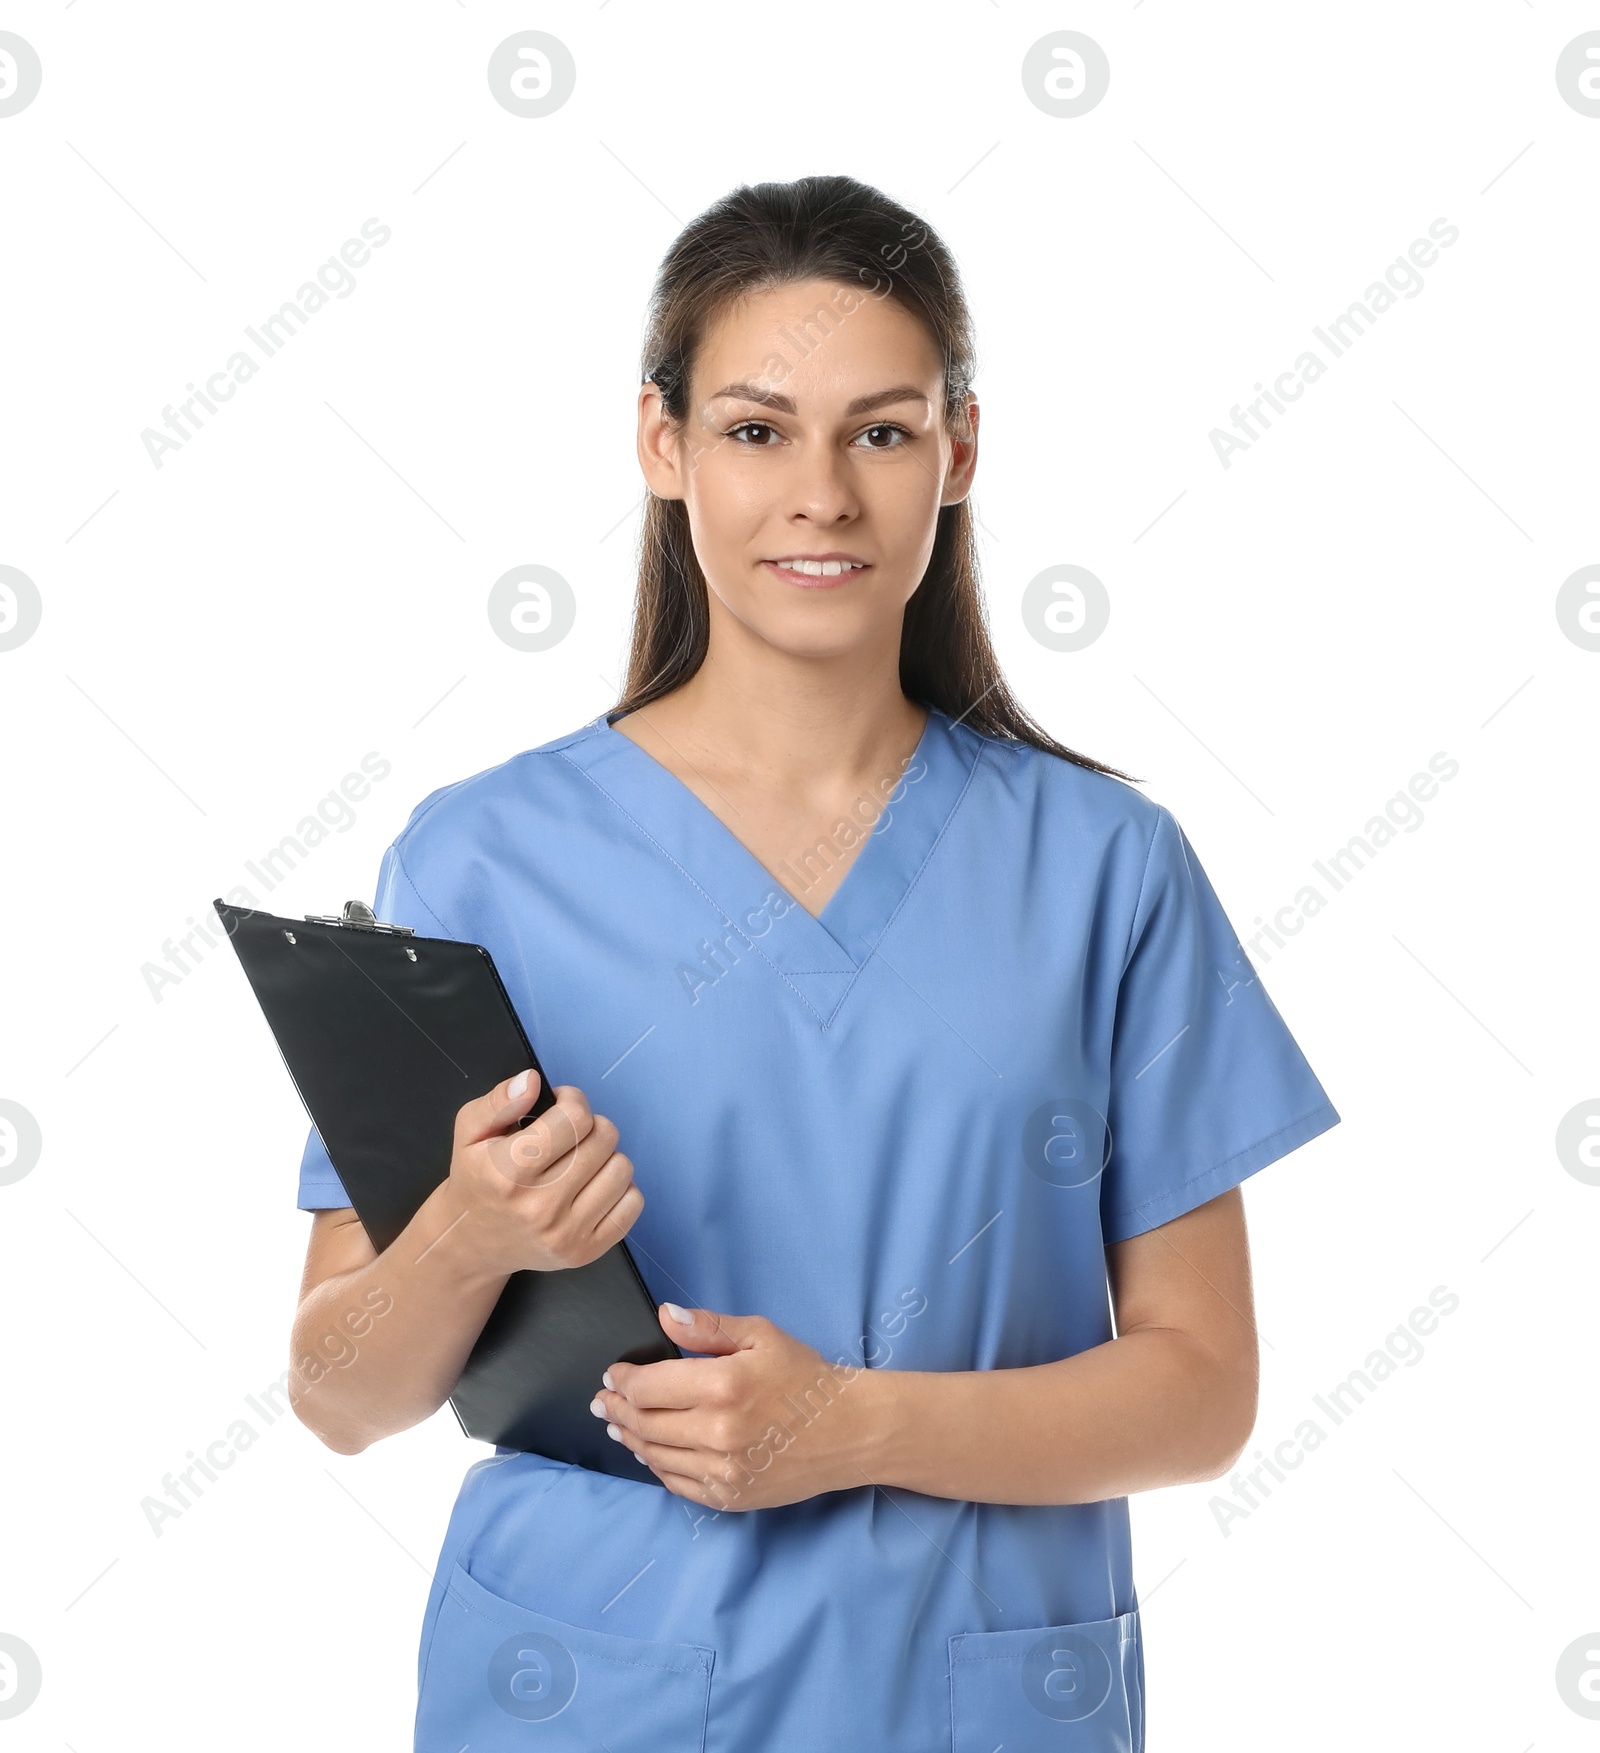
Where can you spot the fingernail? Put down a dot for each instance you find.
(606, 1378)
(598, 1407)
(613, 1433)
(518, 1085)
(681, 1315)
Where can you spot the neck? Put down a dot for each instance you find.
(796, 725)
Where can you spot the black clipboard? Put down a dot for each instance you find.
(385, 1035)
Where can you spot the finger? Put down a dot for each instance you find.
(558, 1131)
(688, 1470)
(539, 1153)
(670, 1428)
(601, 1196)
(622, 1216)
(676, 1382)
(553, 1146)
(698, 1473)
(493, 1113)
(691, 1459)
(701, 1330)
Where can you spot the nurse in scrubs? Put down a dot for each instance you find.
(912, 1052)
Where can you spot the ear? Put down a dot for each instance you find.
(658, 446)
(963, 457)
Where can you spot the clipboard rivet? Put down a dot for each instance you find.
(411, 953)
(290, 935)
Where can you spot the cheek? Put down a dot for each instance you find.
(904, 496)
(728, 509)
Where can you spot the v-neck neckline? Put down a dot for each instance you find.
(818, 955)
(866, 832)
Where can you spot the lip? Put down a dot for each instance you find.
(805, 580)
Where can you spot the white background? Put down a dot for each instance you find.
(1291, 638)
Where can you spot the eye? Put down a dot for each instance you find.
(752, 426)
(887, 427)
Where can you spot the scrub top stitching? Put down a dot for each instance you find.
(927, 858)
(714, 905)
(824, 1022)
(399, 864)
(1175, 1195)
(1144, 877)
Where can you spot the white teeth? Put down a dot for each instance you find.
(821, 568)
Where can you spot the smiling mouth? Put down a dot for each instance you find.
(814, 574)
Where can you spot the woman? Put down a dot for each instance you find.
(923, 1032)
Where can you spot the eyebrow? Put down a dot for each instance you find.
(748, 392)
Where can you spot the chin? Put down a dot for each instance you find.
(823, 625)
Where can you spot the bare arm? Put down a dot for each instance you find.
(379, 1340)
(1169, 1401)
(760, 1418)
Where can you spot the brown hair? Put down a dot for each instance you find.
(774, 234)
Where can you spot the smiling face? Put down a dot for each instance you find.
(813, 463)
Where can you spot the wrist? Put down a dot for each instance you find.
(878, 1423)
(447, 1234)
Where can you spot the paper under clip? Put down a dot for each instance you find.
(361, 917)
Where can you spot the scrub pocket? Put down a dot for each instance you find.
(1057, 1689)
(499, 1676)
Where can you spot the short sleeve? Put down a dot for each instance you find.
(1207, 1084)
(396, 903)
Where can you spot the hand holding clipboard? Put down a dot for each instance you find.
(387, 1035)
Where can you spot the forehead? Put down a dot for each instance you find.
(817, 341)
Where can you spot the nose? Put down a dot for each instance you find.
(820, 488)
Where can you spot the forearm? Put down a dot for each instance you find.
(378, 1349)
(1147, 1409)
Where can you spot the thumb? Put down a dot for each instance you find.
(706, 1331)
(490, 1114)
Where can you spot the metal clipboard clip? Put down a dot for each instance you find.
(360, 917)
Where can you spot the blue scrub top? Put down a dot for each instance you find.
(1022, 1028)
